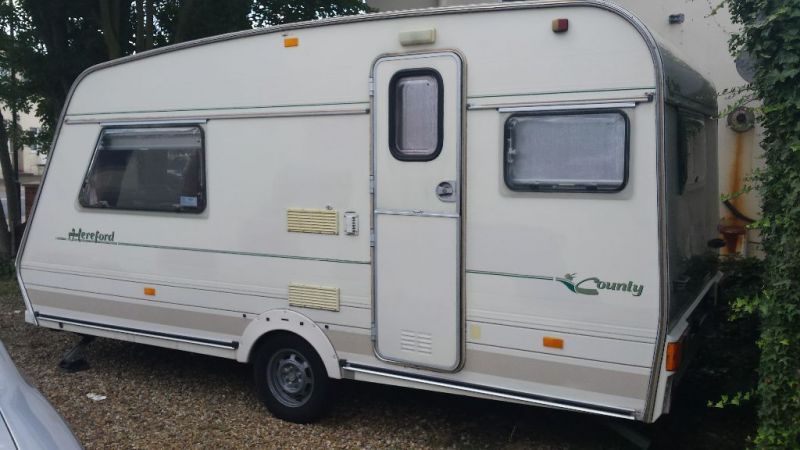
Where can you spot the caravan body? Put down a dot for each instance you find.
(472, 200)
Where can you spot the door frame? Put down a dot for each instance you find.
(461, 171)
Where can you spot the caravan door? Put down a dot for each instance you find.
(417, 271)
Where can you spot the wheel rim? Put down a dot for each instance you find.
(290, 378)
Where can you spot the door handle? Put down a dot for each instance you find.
(446, 191)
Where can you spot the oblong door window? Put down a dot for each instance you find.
(415, 114)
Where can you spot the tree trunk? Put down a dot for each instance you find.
(149, 31)
(5, 162)
(140, 26)
(12, 181)
(183, 20)
(109, 23)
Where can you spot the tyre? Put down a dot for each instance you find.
(291, 379)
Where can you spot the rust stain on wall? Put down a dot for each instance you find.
(732, 228)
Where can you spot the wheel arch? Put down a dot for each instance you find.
(284, 321)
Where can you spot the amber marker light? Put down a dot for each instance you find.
(560, 25)
(291, 41)
(673, 356)
(149, 291)
(553, 342)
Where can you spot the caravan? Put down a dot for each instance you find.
(510, 201)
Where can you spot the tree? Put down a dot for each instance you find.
(275, 12)
(54, 42)
(770, 34)
(13, 95)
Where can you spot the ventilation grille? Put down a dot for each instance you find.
(315, 297)
(318, 221)
(412, 341)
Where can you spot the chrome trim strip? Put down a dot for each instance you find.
(566, 107)
(202, 119)
(619, 413)
(643, 99)
(132, 122)
(572, 91)
(394, 212)
(114, 329)
(661, 164)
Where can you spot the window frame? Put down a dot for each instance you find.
(396, 152)
(202, 202)
(516, 187)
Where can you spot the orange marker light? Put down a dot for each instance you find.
(149, 291)
(291, 42)
(553, 342)
(673, 356)
(560, 25)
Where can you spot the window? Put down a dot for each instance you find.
(576, 151)
(692, 148)
(415, 115)
(149, 169)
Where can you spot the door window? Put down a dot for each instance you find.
(415, 115)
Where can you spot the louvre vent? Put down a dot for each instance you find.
(412, 341)
(318, 221)
(315, 297)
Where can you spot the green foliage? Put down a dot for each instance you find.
(770, 33)
(7, 269)
(744, 279)
(52, 42)
(275, 12)
(730, 355)
(182, 20)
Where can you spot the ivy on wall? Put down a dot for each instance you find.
(770, 34)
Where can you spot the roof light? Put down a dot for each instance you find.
(291, 41)
(418, 37)
(560, 25)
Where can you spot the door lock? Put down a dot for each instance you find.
(446, 191)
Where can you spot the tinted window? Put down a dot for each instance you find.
(150, 169)
(415, 105)
(566, 152)
(692, 147)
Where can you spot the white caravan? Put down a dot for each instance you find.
(510, 201)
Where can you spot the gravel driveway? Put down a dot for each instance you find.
(158, 398)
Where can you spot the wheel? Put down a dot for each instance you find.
(291, 379)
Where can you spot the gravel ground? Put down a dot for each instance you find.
(158, 398)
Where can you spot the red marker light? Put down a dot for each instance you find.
(560, 25)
